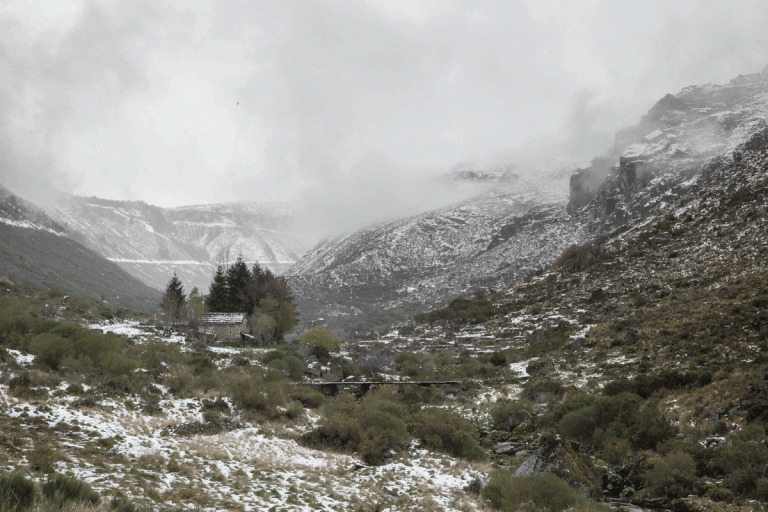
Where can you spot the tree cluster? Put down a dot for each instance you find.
(257, 292)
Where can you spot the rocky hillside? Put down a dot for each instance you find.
(152, 243)
(501, 236)
(669, 315)
(485, 242)
(35, 250)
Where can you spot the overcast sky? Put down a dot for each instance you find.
(181, 103)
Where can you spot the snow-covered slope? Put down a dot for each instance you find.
(661, 157)
(484, 242)
(152, 243)
(496, 238)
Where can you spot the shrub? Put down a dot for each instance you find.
(464, 445)
(615, 451)
(50, 349)
(296, 367)
(294, 410)
(41, 459)
(716, 493)
(545, 492)
(672, 476)
(200, 362)
(251, 393)
(446, 432)
(579, 425)
(17, 492)
(211, 416)
(373, 428)
(279, 365)
(498, 359)
(307, 396)
(574, 258)
(621, 416)
(322, 341)
(460, 310)
(740, 462)
(272, 355)
(179, 378)
(62, 489)
(115, 364)
(382, 432)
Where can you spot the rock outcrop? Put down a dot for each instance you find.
(561, 459)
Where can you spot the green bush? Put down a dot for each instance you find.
(646, 384)
(381, 433)
(373, 428)
(579, 425)
(61, 489)
(621, 416)
(294, 410)
(460, 310)
(211, 416)
(50, 349)
(272, 355)
(252, 393)
(115, 364)
(672, 476)
(200, 362)
(17, 492)
(279, 365)
(446, 432)
(41, 459)
(307, 396)
(296, 367)
(322, 341)
(740, 461)
(544, 492)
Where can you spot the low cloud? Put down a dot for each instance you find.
(344, 109)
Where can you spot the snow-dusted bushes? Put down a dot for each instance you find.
(373, 428)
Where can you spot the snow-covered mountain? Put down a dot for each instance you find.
(500, 236)
(152, 242)
(484, 242)
(38, 251)
(663, 156)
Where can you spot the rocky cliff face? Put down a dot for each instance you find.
(152, 243)
(662, 156)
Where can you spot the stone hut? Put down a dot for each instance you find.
(225, 326)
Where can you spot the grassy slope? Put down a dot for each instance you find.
(44, 260)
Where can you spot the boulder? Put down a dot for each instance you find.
(556, 457)
(517, 418)
(508, 448)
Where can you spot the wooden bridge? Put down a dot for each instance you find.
(359, 388)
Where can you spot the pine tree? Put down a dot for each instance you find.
(218, 295)
(174, 299)
(238, 286)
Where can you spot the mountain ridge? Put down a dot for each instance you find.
(37, 251)
(152, 242)
(649, 165)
